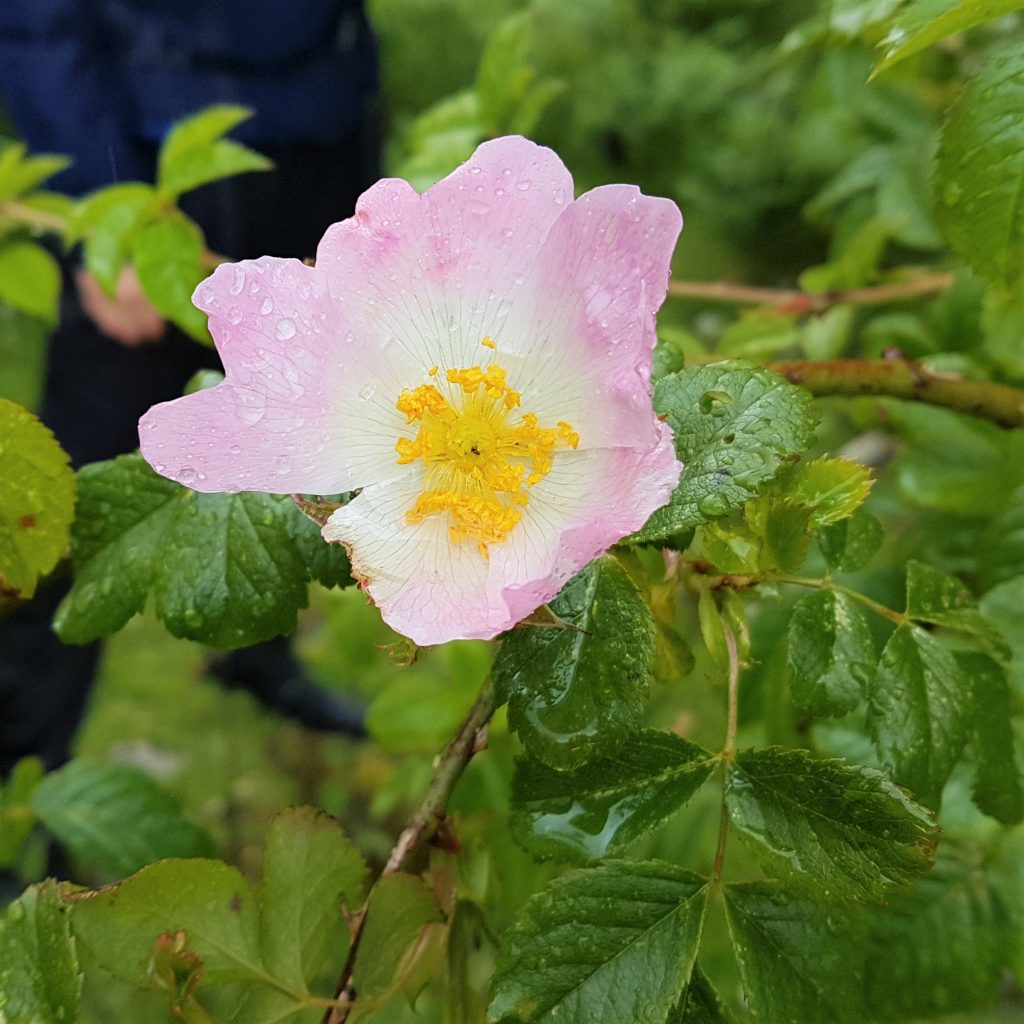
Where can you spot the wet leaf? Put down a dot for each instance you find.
(573, 691)
(311, 872)
(616, 942)
(980, 169)
(843, 829)
(831, 654)
(224, 569)
(734, 426)
(920, 708)
(851, 543)
(116, 818)
(39, 978)
(582, 815)
(37, 500)
(794, 956)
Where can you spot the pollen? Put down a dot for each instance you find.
(481, 456)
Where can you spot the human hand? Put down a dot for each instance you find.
(129, 317)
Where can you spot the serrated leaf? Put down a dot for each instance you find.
(920, 708)
(794, 956)
(942, 600)
(37, 500)
(700, 1003)
(998, 788)
(733, 427)
(207, 900)
(223, 569)
(573, 690)
(922, 23)
(17, 818)
(832, 489)
(168, 257)
(30, 280)
(106, 221)
(851, 543)
(39, 978)
(310, 873)
(831, 654)
(980, 170)
(615, 942)
(116, 818)
(844, 829)
(582, 815)
(940, 948)
(400, 907)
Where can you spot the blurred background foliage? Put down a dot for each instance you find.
(792, 169)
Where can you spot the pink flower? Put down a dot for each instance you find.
(476, 359)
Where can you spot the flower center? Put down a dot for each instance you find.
(481, 455)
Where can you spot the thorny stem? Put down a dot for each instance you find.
(854, 595)
(788, 300)
(729, 750)
(903, 378)
(422, 827)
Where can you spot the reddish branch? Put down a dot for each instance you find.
(787, 300)
(430, 816)
(903, 378)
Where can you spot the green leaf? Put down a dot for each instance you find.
(207, 900)
(942, 600)
(844, 829)
(998, 788)
(37, 500)
(922, 23)
(851, 543)
(17, 819)
(700, 1003)
(224, 569)
(582, 815)
(734, 426)
(794, 956)
(30, 280)
(39, 978)
(116, 818)
(920, 707)
(470, 959)
(194, 152)
(310, 871)
(573, 690)
(832, 489)
(980, 170)
(328, 564)
(21, 174)
(940, 948)
(400, 907)
(168, 257)
(106, 221)
(615, 942)
(1003, 607)
(831, 654)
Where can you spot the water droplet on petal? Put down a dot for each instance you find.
(187, 475)
(267, 306)
(285, 329)
(524, 184)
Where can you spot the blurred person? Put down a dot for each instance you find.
(103, 81)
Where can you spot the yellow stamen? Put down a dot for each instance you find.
(480, 463)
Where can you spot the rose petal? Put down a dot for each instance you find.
(297, 410)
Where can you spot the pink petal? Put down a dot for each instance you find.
(298, 409)
(433, 591)
(583, 324)
(435, 273)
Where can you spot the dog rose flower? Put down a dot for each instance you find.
(474, 360)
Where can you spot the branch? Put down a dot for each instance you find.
(903, 378)
(729, 750)
(422, 827)
(44, 220)
(787, 300)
